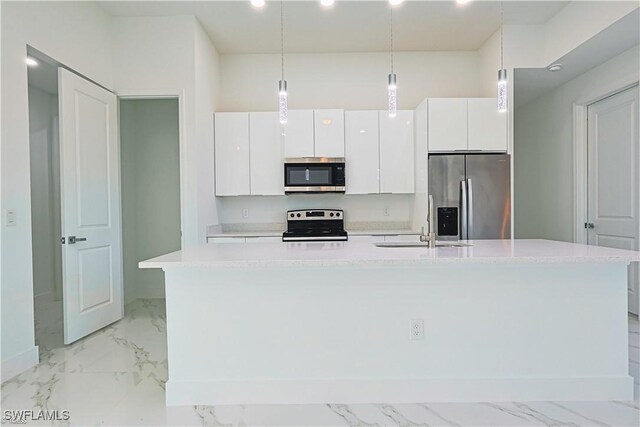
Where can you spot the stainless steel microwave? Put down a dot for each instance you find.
(314, 175)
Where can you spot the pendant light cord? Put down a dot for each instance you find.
(281, 40)
(501, 35)
(391, 25)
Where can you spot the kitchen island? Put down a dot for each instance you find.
(335, 322)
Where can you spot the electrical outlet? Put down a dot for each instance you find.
(416, 330)
(9, 218)
(385, 211)
(245, 213)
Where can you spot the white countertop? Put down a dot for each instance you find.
(278, 233)
(318, 254)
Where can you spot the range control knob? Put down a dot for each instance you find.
(292, 215)
(337, 213)
(298, 215)
(331, 214)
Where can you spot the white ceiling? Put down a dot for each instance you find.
(531, 83)
(348, 26)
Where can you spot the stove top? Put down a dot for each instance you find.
(315, 225)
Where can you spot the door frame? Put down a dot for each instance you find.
(179, 94)
(580, 134)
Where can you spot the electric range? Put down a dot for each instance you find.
(315, 225)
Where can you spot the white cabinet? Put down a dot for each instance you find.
(232, 154)
(487, 128)
(329, 133)
(298, 134)
(362, 154)
(396, 153)
(447, 127)
(266, 154)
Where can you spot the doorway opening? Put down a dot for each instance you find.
(44, 149)
(150, 169)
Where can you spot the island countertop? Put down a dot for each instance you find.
(325, 254)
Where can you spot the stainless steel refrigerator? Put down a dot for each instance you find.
(471, 196)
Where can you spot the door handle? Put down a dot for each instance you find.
(463, 210)
(469, 209)
(74, 239)
(589, 225)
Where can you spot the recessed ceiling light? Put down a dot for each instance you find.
(463, 2)
(395, 2)
(554, 67)
(258, 3)
(31, 62)
(327, 3)
(326, 122)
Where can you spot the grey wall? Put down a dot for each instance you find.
(543, 149)
(45, 193)
(149, 141)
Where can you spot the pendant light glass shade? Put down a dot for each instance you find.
(393, 101)
(502, 90)
(282, 101)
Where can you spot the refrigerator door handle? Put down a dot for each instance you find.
(463, 210)
(469, 209)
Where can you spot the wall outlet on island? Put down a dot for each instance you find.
(385, 211)
(245, 213)
(416, 331)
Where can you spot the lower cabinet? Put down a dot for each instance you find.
(245, 239)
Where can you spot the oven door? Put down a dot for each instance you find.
(313, 178)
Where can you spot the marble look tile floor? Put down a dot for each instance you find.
(117, 375)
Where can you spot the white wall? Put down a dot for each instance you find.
(358, 208)
(78, 35)
(544, 149)
(173, 55)
(150, 167)
(353, 81)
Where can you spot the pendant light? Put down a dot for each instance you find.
(502, 72)
(282, 84)
(392, 89)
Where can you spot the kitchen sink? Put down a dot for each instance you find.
(421, 245)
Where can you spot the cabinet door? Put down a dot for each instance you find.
(329, 133)
(266, 155)
(362, 152)
(298, 134)
(232, 154)
(447, 128)
(487, 128)
(396, 153)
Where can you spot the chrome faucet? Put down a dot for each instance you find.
(430, 237)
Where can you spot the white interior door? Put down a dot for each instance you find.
(90, 199)
(614, 179)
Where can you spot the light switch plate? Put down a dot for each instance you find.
(9, 218)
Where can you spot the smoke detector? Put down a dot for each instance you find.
(554, 67)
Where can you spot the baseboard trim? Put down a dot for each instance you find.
(17, 364)
(398, 391)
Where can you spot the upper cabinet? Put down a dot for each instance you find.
(396, 153)
(329, 133)
(466, 124)
(266, 154)
(362, 152)
(487, 127)
(298, 134)
(447, 124)
(232, 154)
